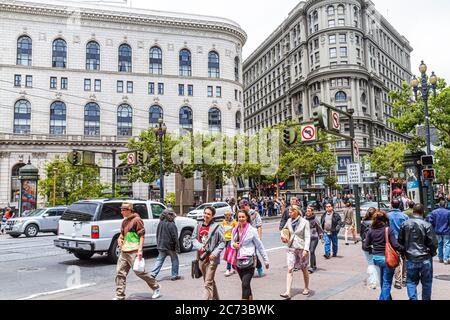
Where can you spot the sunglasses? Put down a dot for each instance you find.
(126, 209)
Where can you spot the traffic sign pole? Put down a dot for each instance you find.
(355, 186)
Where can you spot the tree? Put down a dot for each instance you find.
(388, 160)
(76, 182)
(443, 165)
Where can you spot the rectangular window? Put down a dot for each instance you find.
(235, 95)
(341, 22)
(332, 39)
(333, 53)
(240, 96)
(119, 86)
(29, 82)
(17, 80)
(151, 88)
(210, 91)
(130, 87)
(218, 92)
(357, 40)
(317, 57)
(53, 82)
(64, 83)
(342, 38)
(343, 51)
(161, 88)
(358, 53)
(316, 44)
(98, 85)
(331, 23)
(87, 84)
(181, 89)
(190, 90)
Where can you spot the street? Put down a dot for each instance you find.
(31, 268)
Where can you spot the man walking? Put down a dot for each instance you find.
(396, 219)
(331, 224)
(131, 243)
(419, 243)
(285, 217)
(440, 220)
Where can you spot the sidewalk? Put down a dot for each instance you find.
(340, 278)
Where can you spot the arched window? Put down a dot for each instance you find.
(58, 118)
(238, 120)
(155, 60)
(213, 65)
(300, 108)
(92, 120)
(125, 58)
(214, 120)
(22, 117)
(124, 121)
(316, 101)
(185, 63)
(315, 16)
(24, 51)
(363, 98)
(330, 10)
(340, 9)
(59, 55)
(92, 56)
(341, 96)
(236, 68)
(155, 113)
(186, 121)
(15, 182)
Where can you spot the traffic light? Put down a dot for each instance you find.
(289, 136)
(140, 158)
(320, 118)
(74, 158)
(427, 160)
(429, 174)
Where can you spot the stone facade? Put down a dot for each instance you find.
(343, 53)
(110, 27)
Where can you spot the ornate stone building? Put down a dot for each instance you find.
(343, 53)
(90, 76)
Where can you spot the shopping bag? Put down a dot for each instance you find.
(139, 265)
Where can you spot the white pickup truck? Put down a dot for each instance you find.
(93, 226)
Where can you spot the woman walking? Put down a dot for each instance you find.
(375, 242)
(372, 271)
(316, 234)
(228, 225)
(297, 236)
(246, 242)
(350, 223)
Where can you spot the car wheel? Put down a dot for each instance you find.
(186, 241)
(15, 236)
(83, 255)
(31, 231)
(114, 252)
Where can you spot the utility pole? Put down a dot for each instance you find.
(355, 186)
(114, 154)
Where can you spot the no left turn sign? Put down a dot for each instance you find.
(308, 133)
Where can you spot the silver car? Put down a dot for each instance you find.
(40, 220)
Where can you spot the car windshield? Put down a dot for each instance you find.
(203, 206)
(36, 213)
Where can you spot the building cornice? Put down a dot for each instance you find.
(124, 17)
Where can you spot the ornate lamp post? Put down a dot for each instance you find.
(424, 89)
(160, 132)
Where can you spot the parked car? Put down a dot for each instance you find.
(367, 205)
(93, 226)
(221, 208)
(40, 220)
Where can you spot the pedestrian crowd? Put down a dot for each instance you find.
(398, 245)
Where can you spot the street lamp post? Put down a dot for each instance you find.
(424, 89)
(160, 132)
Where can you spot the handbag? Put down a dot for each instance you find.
(392, 257)
(196, 273)
(247, 262)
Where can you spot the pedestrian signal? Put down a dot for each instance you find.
(429, 174)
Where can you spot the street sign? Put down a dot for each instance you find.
(342, 162)
(335, 121)
(368, 175)
(131, 158)
(354, 173)
(356, 151)
(309, 133)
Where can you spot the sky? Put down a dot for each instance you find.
(426, 24)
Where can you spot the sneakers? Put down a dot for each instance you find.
(175, 278)
(327, 257)
(227, 273)
(447, 262)
(334, 255)
(311, 270)
(156, 293)
(441, 261)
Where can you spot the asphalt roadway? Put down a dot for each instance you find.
(33, 269)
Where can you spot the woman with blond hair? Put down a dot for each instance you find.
(228, 225)
(296, 234)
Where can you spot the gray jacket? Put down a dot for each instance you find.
(250, 243)
(215, 244)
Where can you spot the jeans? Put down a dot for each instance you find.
(160, 262)
(419, 271)
(444, 248)
(312, 252)
(386, 276)
(331, 240)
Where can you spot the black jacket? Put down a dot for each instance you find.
(418, 239)
(375, 241)
(167, 236)
(284, 218)
(336, 223)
